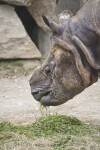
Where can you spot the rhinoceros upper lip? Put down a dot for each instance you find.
(38, 94)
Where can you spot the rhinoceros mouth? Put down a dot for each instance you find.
(38, 95)
(46, 98)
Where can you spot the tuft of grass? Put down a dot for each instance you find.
(16, 63)
(25, 73)
(61, 130)
(12, 68)
(5, 64)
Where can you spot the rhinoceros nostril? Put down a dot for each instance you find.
(34, 91)
(36, 94)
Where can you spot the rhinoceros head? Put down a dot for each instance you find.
(63, 75)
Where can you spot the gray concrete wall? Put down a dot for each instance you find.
(72, 5)
(43, 41)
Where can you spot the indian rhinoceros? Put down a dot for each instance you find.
(74, 59)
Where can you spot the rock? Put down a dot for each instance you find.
(44, 41)
(18, 2)
(14, 41)
(47, 7)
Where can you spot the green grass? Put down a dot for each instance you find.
(6, 64)
(62, 131)
(12, 68)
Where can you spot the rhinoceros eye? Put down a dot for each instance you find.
(47, 70)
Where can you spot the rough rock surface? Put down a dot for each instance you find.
(47, 7)
(18, 2)
(14, 41)
(44, 41)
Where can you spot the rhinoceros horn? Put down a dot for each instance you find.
(63, 18)
(55, 28)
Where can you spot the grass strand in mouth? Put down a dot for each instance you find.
(44, 110)
(68, 129)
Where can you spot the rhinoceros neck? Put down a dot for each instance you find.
(86, 23)
(86, 26)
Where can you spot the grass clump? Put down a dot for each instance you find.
(6, 64)
(12, 68)
(16, 63)
(46, 126)
(61, 130)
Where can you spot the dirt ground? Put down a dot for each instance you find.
(18, 106)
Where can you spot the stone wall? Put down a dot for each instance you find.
(14, 41)
(23, 34)
(18, 2)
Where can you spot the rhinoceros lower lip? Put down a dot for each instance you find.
(49, 100)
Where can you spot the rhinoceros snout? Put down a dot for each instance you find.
(34, 92)
(36, 95)
(34, 75)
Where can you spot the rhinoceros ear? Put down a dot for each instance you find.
(55, 28)
(65, 16)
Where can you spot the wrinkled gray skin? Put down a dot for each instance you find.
(74, 60)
